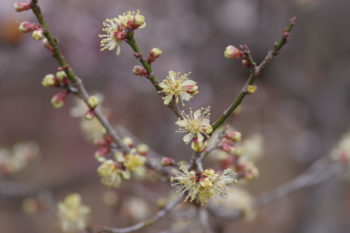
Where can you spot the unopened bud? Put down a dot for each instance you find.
(100, 154)
(49, 81)
(154, 54)
(22, 6)
(245, 63)
(128, 141)
(93, 101)
(26, 26)
(192, 89)
(234, 136)
(226, 147)
(251, 89)
(139, 71)
(90, 114)
(231, 52)
(166, 161)
(61, 75)
(58, 99)
(38, 34)
(142, 149)
(139, 20)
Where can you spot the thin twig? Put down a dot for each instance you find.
(203, 218)
(160, 214)
(80, 89)
(317, 173)
(77, 82)
(255, 72)
(130, 40)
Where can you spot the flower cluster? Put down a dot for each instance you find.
(117, 28)
(72, 214)
(341, 152)
(202, 186)
(179, 87)
(15, 160)
(113, 170)
(196, 125)
(240, 156)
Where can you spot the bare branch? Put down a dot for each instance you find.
(255, 72)
(160, 214)
(318, 172)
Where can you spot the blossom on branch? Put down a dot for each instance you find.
(178, 86)
(203, 186)
(72, 214)
(116, 29)
(196, 124)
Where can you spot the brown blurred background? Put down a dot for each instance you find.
(301, 107)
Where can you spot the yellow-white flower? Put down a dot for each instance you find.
(72, 214)
(178, 86)
(204, 186)
(196, 124)
(116, 29)
(113, 35)
(111, 174)
(134, 162)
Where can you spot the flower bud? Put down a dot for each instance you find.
(38, 34)
(58, 99)
(234, 136)
(245, 63)
(226, 147)
(251, 89)
(154, 54)
(231, 52)
(61, 75)
(49, 81)
(100, 153)
(142, 149)
(128, 141)
(93, 101)
(26, 26)
(166, 161)
(22, 6)
(139, 71)
(139, 20)
(90, 114)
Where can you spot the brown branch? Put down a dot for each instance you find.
(255, 72)
(159, 215)
(130, 40)
(318, 172)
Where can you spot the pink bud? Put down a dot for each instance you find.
(153, 55)
(22, 6)
(226, 147)
(166, 161)
(139, 71)
(26, 26)
(233, 135)
(58, 99)
(231, 52)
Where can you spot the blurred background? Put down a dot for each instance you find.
(301, 107)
